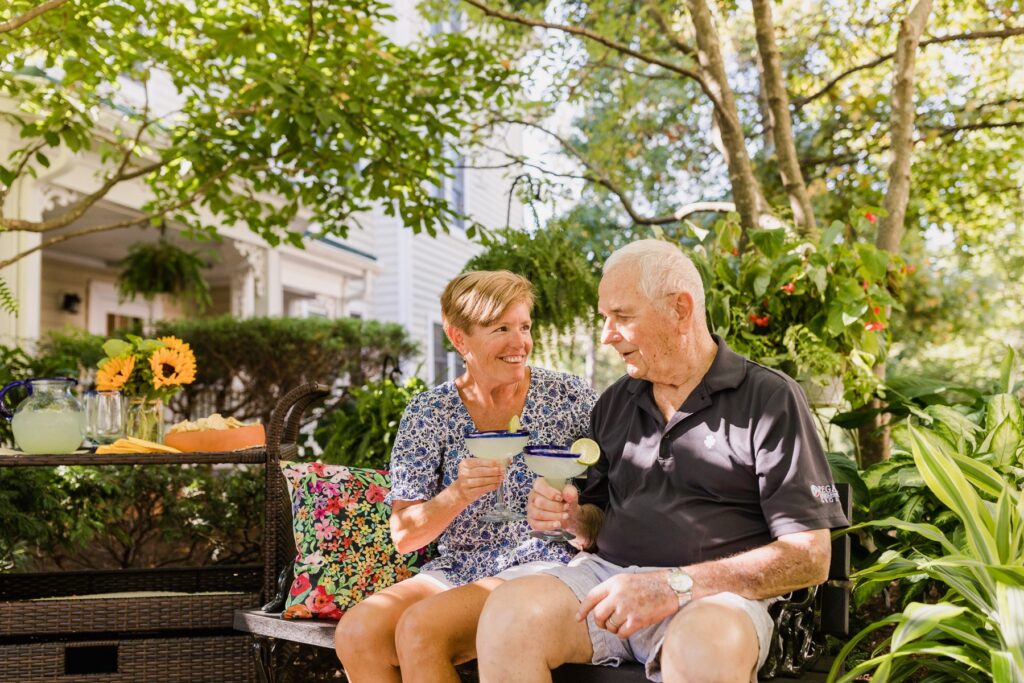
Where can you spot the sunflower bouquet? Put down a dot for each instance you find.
(146, 368)
(147, 372)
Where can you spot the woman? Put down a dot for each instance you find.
(417, 629)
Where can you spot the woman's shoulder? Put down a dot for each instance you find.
(439, 397)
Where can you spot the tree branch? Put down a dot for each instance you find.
(606, 182)
(589, 35)
(31, 150)
(799, 102)
(127, 223)
(677, 42)
(17, 22)
(78, 209)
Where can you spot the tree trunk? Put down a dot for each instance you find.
(781, 124)
(897, 194)
(750, 202)
(874, 439)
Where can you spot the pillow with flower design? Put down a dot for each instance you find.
(345, 553)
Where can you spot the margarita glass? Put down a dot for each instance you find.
(557, 464)
(498, 445)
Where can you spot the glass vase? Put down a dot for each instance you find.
(144, 419)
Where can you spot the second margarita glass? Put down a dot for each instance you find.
(557, 465)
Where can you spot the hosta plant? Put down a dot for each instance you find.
(968, 538)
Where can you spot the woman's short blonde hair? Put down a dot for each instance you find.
(480, 297)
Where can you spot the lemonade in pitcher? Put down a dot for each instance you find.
(49, 420)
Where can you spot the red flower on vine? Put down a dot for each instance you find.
(872, 218)
(760, 320)
(788, 287)
(874, 326)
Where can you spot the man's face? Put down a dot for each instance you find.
(645, 335)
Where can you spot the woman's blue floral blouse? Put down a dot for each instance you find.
(425, 460)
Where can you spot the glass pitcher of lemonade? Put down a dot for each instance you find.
(49, 420)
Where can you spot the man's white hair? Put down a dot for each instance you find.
(663, 269)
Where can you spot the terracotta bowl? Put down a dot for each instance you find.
(213, 440)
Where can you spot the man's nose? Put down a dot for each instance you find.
(609, 333)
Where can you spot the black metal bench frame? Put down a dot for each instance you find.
(802, 620)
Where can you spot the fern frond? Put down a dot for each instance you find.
(8, 303)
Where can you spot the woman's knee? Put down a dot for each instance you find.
(417, 630)
(363, 629)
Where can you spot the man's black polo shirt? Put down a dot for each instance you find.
(737, 466)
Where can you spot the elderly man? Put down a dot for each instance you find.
(711, 498)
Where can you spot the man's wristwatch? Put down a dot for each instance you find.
(681, 584)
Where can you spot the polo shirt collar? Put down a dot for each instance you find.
(727, 371)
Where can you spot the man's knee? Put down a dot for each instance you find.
(710, 640)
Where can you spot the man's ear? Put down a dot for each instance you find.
(683, 305)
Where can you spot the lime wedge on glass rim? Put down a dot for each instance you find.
(587, 450)
(515, 424)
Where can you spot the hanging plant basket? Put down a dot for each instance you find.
(163, 268)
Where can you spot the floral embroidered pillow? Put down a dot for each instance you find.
(345, 553)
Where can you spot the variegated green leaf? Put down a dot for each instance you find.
(983, 476)
(955, 423)
(1004, 670)
(1007, 370)
(1010, 598)
(929, 531)
(948, 483)
(1003, 514)
(920, 619)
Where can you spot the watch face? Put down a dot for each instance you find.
(680, 581)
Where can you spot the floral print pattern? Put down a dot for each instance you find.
(345, 553)
(425, 459)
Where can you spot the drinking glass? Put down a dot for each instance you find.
(104, 416)
(557, 464)
(498, 445)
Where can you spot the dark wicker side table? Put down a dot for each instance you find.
(142, 625)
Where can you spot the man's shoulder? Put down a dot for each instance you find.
(623, 389)
(767, 380)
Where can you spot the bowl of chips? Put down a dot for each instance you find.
(213, 434)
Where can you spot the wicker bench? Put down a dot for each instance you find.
(801, 623)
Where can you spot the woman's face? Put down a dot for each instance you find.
(499, 351)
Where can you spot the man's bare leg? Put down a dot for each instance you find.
(710, 641)
(528, 627)
(365, 637)
(437, 633)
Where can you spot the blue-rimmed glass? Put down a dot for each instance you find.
(501, 446)
(557, 465)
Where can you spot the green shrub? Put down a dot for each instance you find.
(360, 430)
(121, 517)
(245, 366)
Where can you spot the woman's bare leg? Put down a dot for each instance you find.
(439, 632)
(365, 637)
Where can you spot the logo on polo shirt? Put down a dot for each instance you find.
(709, 441)
(826, 493)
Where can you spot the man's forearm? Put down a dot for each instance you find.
(788, 563)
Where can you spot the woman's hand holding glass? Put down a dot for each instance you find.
(477, 477)
(551, 509)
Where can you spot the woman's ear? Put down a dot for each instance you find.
(457, 337)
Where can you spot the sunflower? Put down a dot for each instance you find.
(176, 344)
(114, 372)
(172, 367)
